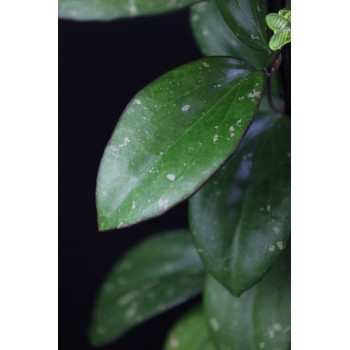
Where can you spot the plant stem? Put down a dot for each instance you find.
(274, 63)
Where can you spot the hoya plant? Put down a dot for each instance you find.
(215, 131)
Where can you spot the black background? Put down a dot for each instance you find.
(101, 67)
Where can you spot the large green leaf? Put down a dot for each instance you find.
(215, 38)
(173, 136)
(259, 318)
(157, 274)
(247, 20)
(112, 9)
(191, 332)
(240, 220)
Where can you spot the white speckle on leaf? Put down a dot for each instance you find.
(163, 203)
(232, 128)
(257, 84)
(195, 17)
(127, 298)
(133, 205)
(280, 245)
(232, 134)
(255, 94)
(104, 194)
(272, 248)
(277, 327)
(268, 207)
(138, 102)
(216, 127)
(215, 324)
(239, 122)
(126, 141)
(205, 64)
(276, 229)
(171, 177)
(185, 108)
(262, 345)
(132, 7)
(254, 37)
(131, 312)
(121, 225)
(215, 138)
(174, 342)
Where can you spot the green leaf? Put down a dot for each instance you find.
(159, 273)
(258, 319)
(247, 20)
(240, 220)
(285, 13)
(191, 332)
(152, 161)
(277, 22)
(281, 26)
(215, 38)
(280, 39)
(113, 9)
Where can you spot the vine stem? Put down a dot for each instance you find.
(273, 65)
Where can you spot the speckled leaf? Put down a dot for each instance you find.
(246, 18)
(191, 332)
(258, 319)
(157, 274)
(113, 9)
(152, 161)
(240, 220)
(215, 38)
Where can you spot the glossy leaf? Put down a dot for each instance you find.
(258, 319)
(157, 274)
(281, 26)
(247, 20)
(240, 220)
(113, 9)
(191, 332)
(152, 161)
(215, 38)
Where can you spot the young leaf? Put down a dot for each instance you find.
(281, 26)
(215, 38)
(240, 220)
(106, 9)
(157, 274)
(173, 136)
(247, 20)
(286, 14)
(259, 318)
(190, 332)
